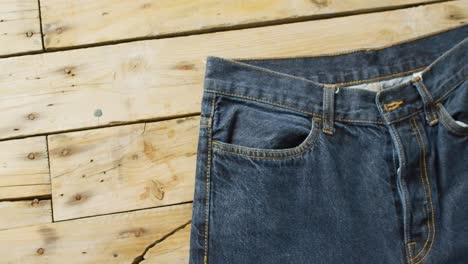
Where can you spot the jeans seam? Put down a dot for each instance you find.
(424, 148)
(208, 181)
(311, 142)
(449, 90)
(293, 108)
(415, 128)
(405, 190)
(444, 117)
(431, 102)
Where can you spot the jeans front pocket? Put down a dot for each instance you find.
(253, 129)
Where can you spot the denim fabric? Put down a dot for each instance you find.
(360, 157)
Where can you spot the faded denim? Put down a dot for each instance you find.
(359, 157)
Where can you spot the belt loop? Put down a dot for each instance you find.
(428, 100)
(328, 114)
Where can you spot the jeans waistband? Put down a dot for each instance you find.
(301, 83)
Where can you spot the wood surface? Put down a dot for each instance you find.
(19, 27)
(84, 22)
(123, 168)
(162, 78)
(116, 238)
(24, 168)
(24, 192)
(24, 213)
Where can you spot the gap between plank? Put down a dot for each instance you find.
(111, 124)
(40, 25)
(227, 28)
(121, 212)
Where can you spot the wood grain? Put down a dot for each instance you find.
(163, 78)
(19, 27)
(24, 213)
(118, 238)
(24, 191)
(24, 162)
(81, 22)
(123, 168)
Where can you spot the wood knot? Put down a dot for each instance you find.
(35, 202)
(31, 156)
(31, 116)
(29, 34)
(65, 152)
(78, 197)
(40, 251)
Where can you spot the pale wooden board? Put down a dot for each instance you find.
(123, 168)
(81, 22)
(24, 191)
(174, 249)
(163, 78)
(24, 162)
(24, 213)
(19, 27)
(118, 238)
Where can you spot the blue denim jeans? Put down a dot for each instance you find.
(358, 157)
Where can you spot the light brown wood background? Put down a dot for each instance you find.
(99, 104)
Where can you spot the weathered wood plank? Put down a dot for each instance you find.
(163, 78)
(118, 238)
(174, 249)
(81, 22)
(24, 213)
(123, 168)
(19, 27)
(24, 191)
(24, 162)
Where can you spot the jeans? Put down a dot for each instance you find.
(356, 157)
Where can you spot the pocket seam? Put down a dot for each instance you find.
(306, 145)
(449, 123)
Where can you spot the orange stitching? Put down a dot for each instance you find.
(393, 105)
(207, 182)
(292, 108)
(312, 131)
(431, 107)
(450, 90)
(262, 101)
(423, 146)
(381, 77)
(401, 166)
(316, 136)
(445, 118)
(325, 112)
(414, 126)
(324, 85)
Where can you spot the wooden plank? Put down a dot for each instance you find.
(24, 162)
(118, 238)
(82, 22)
(19, 27)
(24, 213)
(174, 249)
(123, 168)
(163, 78)
(25, 191)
